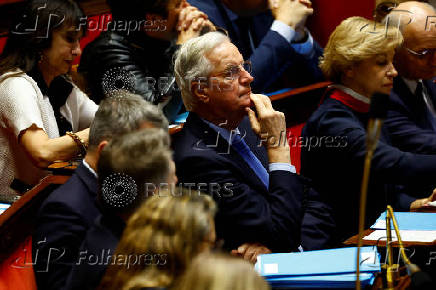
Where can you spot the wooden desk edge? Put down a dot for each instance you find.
(301, 90)
(352, 241)
(21, 203)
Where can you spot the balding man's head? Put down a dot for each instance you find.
(413, 15)
(416, 59)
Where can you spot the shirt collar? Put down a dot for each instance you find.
(89, 168)
(352, 93)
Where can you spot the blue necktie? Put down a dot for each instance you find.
(242, 148)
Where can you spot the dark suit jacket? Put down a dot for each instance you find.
(410, 125)
(248, 212)
(334, 160)
(61, 225)
(95, 252)
(273, 54)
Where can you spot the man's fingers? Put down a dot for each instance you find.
(255, 125)
(307, 3)
(234, 253)
(258, 103)
(242, 248)
(432, 197)
(249, 253)
(267, 102)
(189, 14)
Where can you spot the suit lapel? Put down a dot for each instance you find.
(209, 139)
(431, 89)
(87, 178)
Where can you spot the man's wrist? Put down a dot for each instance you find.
(279, 154)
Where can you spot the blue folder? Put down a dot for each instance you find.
(334, 268)
(415, 221)
(329, 281)
(324, 262)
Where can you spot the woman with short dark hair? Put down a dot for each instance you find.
(38, 101)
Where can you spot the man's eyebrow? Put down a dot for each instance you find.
(233, 64)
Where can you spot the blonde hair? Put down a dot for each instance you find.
(217, 272)
(170, 229)
(354, 40)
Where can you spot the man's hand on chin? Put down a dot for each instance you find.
(270, 126)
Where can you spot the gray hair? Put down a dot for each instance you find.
(137, 159)
(191, 62)
(121, 113)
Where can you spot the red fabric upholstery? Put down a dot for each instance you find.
(328, 15)
(16, 272)
(293, 134)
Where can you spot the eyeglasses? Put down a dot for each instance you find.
(233, 72)
(424, 54)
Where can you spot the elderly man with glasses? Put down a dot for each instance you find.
(411, 119)
(233, 146)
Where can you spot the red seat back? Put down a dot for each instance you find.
(16, 272)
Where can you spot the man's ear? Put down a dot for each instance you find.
(100, 147)
(200, 90)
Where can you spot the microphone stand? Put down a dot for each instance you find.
(391, 267)
(419, 279)
(374, 130)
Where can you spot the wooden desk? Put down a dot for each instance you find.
(353, 241)
(16, 223)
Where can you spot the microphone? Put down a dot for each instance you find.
(377, 113)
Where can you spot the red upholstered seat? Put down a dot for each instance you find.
(16, 272)
(293, 134)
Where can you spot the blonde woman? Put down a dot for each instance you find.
(218, 272)
(359, 60)
(160, 240)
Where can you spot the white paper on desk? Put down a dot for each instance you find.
(406, 236)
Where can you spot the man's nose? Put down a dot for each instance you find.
(245, 78)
